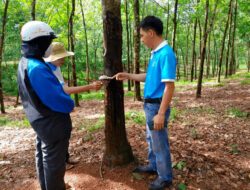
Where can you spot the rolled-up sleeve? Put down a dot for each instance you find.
(49, 89)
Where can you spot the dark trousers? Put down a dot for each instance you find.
(50, 163)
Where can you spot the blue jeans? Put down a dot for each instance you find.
(159, 149)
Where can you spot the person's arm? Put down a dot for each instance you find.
(136, 77)
(79, 89)
(49, 90)
(159, 119)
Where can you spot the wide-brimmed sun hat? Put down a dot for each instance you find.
(58, 52)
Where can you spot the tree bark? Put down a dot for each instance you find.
(175, 24)
(71, 32)
(232, 59)
(248, 52)
(86, 42)
(200, 29)
(186, 66)
(215, 55)
(128, 40)
(223, 40)
(167, 22)
(1, 53)
(203, 53)
(117, 148)
(228, 42)
(68, 62)
(136, 48)
(208, 56)
(33, 10)
(193, 54)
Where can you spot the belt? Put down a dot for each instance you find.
(153, 100)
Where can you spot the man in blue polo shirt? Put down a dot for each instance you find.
(158, 92)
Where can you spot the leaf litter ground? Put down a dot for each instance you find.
(209, 140)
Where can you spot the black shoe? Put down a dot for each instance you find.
(159, 184)
(145, 169)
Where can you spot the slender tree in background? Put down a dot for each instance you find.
(117, 149)
(193, 51)
(136, 48)
(68, 63)
(175, 24)
(223, 40)
(248, 55)
(128, 40)
(186, 65)
(33, 10)
(71, 34)
(203, 53)
(167, 22)
(86, 43)
(232, 59)
(130, 31)
(228, 42)
(215, 55)
(200, 29)
(208, 56)
(1, 53)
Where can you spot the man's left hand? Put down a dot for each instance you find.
(159, 120)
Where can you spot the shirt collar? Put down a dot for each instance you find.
(161, 45)
(53, 67)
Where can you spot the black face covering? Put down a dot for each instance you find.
(36, 48)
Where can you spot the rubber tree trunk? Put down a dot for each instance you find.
(175, 24)
(186, 65)
(71, 33)
(203, 53)
(68, 62)
(193, 53)
(208, 56)
(86, 43)
(228, 43)
(117, 148)
(167, 22)
(33, 10)
(232, 59)
(1, 53)
(223, 41)
(128, 40)
(136, 48)
(248, 55)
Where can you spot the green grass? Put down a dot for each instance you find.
(137, 117)
(236, 112)
(234, 149)
(194, 133)
(220, 84)
(92, 95)
(98, 125)
(246, 81)
(198, 110)
(239, 75)
(91, 124)
(179, 165)
(9, 79)
(173, 115)
(129, 94)
(6, 122)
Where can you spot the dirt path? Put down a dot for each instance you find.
(201, 136)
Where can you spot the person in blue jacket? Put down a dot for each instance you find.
(158, 91)
(55, 61)
(45, 103)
